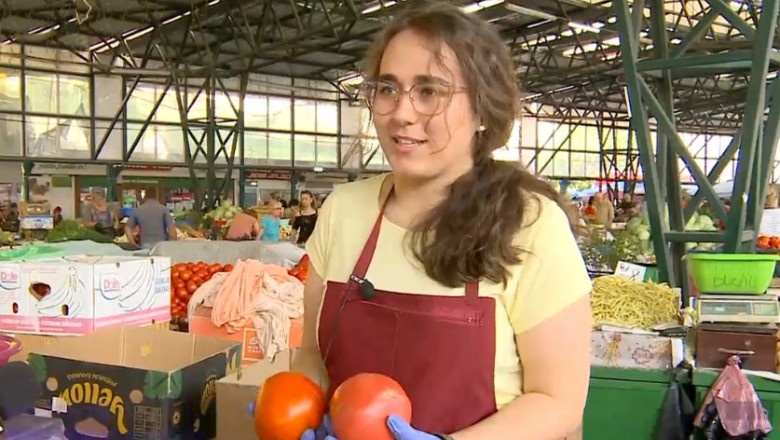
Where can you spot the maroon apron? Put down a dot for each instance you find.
(441, 349)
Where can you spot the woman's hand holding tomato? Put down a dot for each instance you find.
(361, 406)
(367, 406)
(288, 405)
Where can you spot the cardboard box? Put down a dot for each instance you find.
(78, 295)
(237, 390)
(32, 343)
(134, 383)
(200, 324)
(642, 351)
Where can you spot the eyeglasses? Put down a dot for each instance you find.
(428, 99)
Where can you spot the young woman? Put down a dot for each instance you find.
(304, 222)
(456, 275)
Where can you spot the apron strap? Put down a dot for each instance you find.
(367, 254)
(472, 290)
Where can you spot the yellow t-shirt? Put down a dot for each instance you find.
(551, 277)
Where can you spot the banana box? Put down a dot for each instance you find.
(142, 383)
(77, 295)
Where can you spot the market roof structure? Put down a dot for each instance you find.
(567, 50)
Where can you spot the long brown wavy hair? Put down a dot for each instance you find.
(470, 236)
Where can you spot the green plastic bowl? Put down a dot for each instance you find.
(736, 274)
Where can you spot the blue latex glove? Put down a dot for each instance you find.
(323, 432)
(401, 430)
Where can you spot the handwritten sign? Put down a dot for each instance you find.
(631, 271)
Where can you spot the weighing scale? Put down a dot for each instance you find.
(747, 309)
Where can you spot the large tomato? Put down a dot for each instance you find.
(287, 405)
(361, 405)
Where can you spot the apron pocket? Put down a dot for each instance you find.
(364, 341)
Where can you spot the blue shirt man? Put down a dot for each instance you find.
(153, 220)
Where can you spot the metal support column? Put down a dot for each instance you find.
(27, 169)
(213, 140)
(112, 176)
(650, 85)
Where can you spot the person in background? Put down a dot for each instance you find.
(270, 226)
(11, 218)
(292, 209)
(605, 210)
(153, 221)
(590, 209)
(98, 215)
(56, 213)
(244, 227)
(304, 222)
(627, 203)
(474, 271)
(273, 197)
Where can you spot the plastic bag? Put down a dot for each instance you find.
(31, 252)
(714, 430)
(676, 421)
(732, 409)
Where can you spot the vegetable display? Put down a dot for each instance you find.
(71, 230)
(361, 405)
(768, 243)
(224, 213)
(7, 238)
(621, 301)
(640, 226)
(287, 405)
(185, 280)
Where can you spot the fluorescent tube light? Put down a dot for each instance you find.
(584, 27)
(528, 11)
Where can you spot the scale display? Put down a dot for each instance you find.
(739, 309)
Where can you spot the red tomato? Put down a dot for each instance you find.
(178, 284)
(182, 294)
(227, 268)
(287, 405)
(191, 287)
(185, 276)
(361, 404)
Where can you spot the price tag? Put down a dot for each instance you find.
(37, 222)
(631, 271)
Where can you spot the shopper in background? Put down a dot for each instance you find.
(99, 215)
(457, 275)
(56, 214)
(153, 222)
(11, 218)
(590, 210)
(270, 225)
(292, 210)
(605, 210)
(244, 226)
(304, 222)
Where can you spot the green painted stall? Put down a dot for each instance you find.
(624, 403)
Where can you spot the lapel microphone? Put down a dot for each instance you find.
(367, 290)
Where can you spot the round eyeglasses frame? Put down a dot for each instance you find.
(369, 88)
